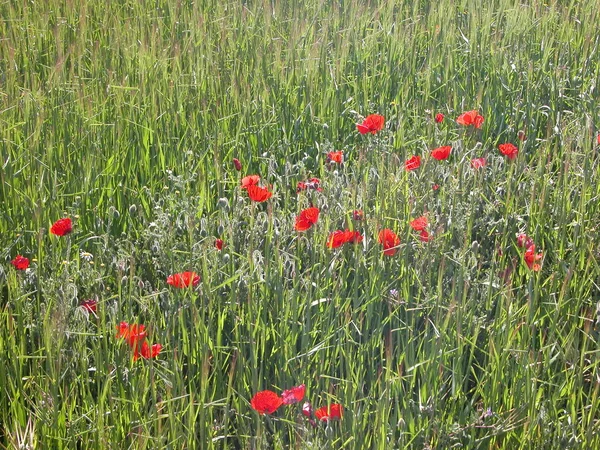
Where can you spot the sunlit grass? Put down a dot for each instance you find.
(125, 116)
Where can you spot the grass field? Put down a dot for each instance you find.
(125, 117)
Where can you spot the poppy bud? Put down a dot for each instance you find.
(237, 164)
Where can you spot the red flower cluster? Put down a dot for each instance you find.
(255, 192)
(509, 150)
(339, 238)
(412, 163)
(183, 279)
(530, 257)
(372, 124)
(441, 153)
(62, 227)
(311, 183)
(420, 224)
(267, 402)
(307, 218)
(20, 262)
(135, 335)
(390, 241)
(470, 118)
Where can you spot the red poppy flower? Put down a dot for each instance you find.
(293, 395)
(524, 241)
(20, 262)
(419, 224)
(219, 244)
(412, 163)
(133, 334)
(259, 194)
(307, 409)
(312, 183)
(441, 153)
(336, 239)
(509, 150)
(353, 237)
(424, 236)
(307, 218)
(357, 214)
(390, 241)
(333, 411)
(336, 157)
(147, 351)
(470, 118)
(183, 279)
(237, 164)
(439, 118)
(478, 163)
(598, 139)
(372, 124)
(89, 305)
(531, 257)
(435, 187)
(266, 402)
(250, 180)
(62, 227)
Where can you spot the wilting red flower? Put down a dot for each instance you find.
(336, 157)
(531, 257)
(219, 244)
(439, 118)
(133, 334)
(237, 164)
(441, 153)
(478, 163)
(357, 214)
(147, 351)
(307, 409)
(311, 183)
(89, 305)
(183, 279)
(424, 236)
(470, 118)
(259, 194)
(435, 187)
(62, 227)
(521, 135)
(293, 395)
(333, 411)
(250, 180)
(20, 262)
(390, 241)
(372, 124)
(524, 241)
(509, 150)
(307, 218)
(419, 224)
(412, 163)
(266, 402)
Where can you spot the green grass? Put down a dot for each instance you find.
(125, 116)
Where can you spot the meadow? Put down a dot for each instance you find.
(131, 119)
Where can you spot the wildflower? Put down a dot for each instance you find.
(509, 150)
(531, 257)
(86, 256)
(521, 135)
(335, 157)
(470, 118)
(183, 279)
(372, 124)
(353, 237)
(219, 244)
(61, 227)
(307, 218)
(419, 224)
(424, 236)
(336, 239)
(266, 402)
(293, 395)
(147, 351)
(133, 334)
(311, 183)
(478, 163)
(439, 118)
(250, 180)
(358, 215)
(414, 162)
(90, 306)
(307, 409)
(435, 187)
(326, 413)
(441, 153)
(259, 194)
(598, 139)
(237, 164)
(390, 241)
(524, 241)
(20, 262)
